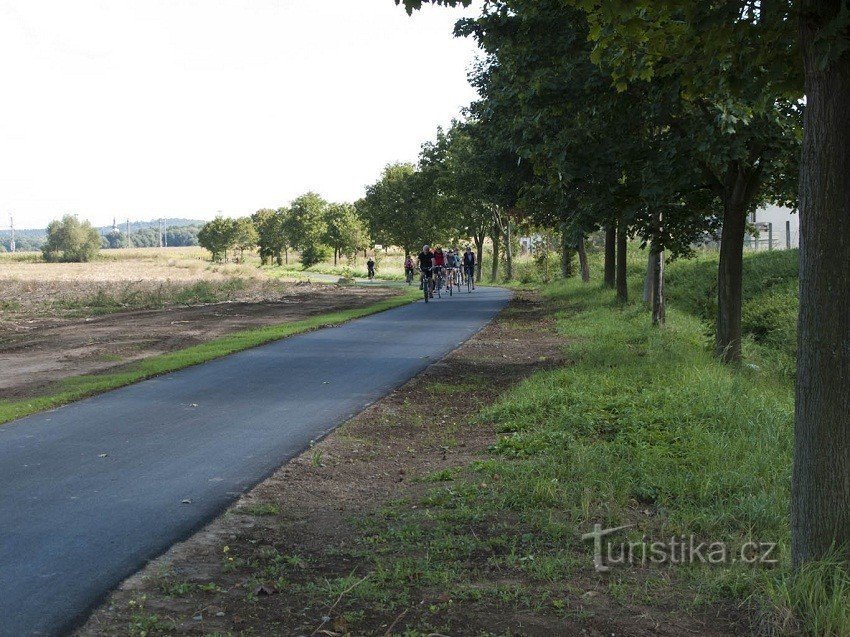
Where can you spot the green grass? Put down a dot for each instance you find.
(770, 288)
(644, 426)
(78, 387)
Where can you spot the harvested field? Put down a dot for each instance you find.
(59, 320)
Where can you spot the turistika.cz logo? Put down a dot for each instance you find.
(679, 549)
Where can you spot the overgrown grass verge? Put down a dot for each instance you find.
(644, 428)
(78, 387)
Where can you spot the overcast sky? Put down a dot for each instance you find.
(183, 108)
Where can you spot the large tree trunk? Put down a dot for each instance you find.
(820, 490)
(622, 247)
(739, 189)
(509, 253)
(479, 254)
(582, 260)
(497, 239)
(335, 253)
(610, 255)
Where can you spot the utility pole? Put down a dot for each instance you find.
(159, 227)
(12, 226)
(165, 232)
(129, 243)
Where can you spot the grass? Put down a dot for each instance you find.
(644, 427)
(78, 387)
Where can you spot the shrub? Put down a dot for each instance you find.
(71, 240)
(313, 254)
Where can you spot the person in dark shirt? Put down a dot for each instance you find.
(469, 265)
(426, 263)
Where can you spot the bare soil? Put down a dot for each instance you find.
(39, 347)
(288, 558)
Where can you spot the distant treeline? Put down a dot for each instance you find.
(176, 236)
(143, 234)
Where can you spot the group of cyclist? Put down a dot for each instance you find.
(436, 265)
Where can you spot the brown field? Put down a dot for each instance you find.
(66, 319)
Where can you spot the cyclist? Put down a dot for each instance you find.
(370, 268)
(408, 269)
(426, 267)
(469, 265)
(451, 264)
(439, 263)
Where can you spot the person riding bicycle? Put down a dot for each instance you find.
(451, 264)
(469, 265)
(439, 262)
(408, 268)
(370, 268)
(426, 265)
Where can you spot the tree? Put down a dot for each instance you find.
(399, 209)
(218, 236)
(71, 240)
(271, 234)
(820, 501)
(346, 232)
(306, 226)
(245, 236)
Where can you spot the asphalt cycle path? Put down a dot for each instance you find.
(92, 491)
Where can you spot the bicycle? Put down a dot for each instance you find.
(408, 276)
(470, 279)
(440, 281)
(450, 281)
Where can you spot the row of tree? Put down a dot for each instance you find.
(174, 237)
(311, 225)
(669, 121)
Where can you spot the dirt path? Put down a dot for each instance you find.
(352, 538)
(36, 352)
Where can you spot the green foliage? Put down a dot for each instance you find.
(770, 294)
(218, 236)
(71, 240)
(398, 210)
(245, 236)
(345, 232)
(306, 227)
(271, 226)
(314, 253)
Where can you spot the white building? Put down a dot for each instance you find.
(778, 228)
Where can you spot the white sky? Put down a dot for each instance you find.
(148, 108)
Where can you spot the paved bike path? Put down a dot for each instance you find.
(91, 491)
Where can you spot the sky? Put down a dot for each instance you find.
(184, 108)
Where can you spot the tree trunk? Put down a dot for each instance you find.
(479, 254)
(649, 279)
(820, 488)
(729, 282)
(582, 261)
(286, 256)
(497, 235)
(335, 253)
(622, 247)
(610, 255)
(659, 314)
(566, 255)
(509, 253)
